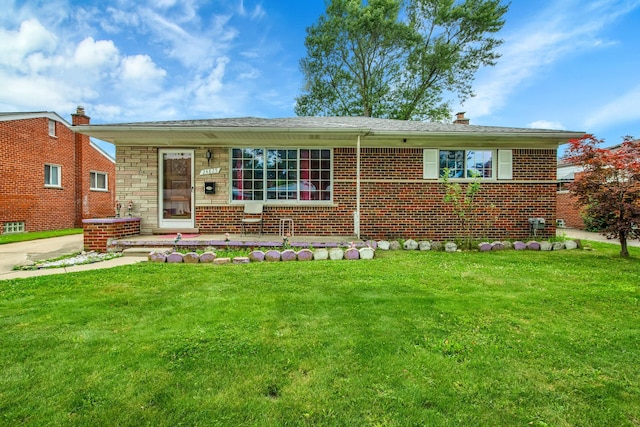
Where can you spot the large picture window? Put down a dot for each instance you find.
(281, 175)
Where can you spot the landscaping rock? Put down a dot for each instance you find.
(436, 246)
(320, 254)
(352, 254)
(366, 253)
(157, 257)
(305, 255)
(256, 256)
(191, 258)
(394, 245)
(497, 246)
(288, 255)
(410, 245)
(207, 257)
(533, 246)
(570, 244)
(372, 244)
(485, 246)
(222, 261)
(450, 247)
(558, 246)
(519, 246)
(545, 246)
(424, 245)
(383, 245)
(241, 260)
(507, 244)
(336, 254)
(175, 257)
(272, 255)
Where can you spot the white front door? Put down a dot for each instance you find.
(176, 204)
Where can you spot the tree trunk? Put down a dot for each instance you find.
(624, 251)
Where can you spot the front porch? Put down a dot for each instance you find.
(148, 243)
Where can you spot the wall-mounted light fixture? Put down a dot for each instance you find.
(209, 155)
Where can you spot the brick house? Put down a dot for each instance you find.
(52, 177)
(368, 177)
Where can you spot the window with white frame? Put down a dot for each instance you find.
(52, 175)
(467, 164)
(52, 127)
(99, 181)
(13, 227)
(281, 175)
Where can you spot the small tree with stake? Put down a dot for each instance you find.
(462, 201)
(609, 186)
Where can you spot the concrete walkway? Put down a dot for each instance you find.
(572, 233)
(13, 254)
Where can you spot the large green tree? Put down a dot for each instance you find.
(397, 59)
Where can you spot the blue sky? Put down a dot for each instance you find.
(566, 64)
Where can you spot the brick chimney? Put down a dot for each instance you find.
(460, 119)
(80, 118)
(82, 181)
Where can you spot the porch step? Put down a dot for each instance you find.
(141, 251)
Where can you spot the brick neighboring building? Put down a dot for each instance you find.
(569, 211)
(52, 177)
(372, 178)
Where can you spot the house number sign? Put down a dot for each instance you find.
(210, 171)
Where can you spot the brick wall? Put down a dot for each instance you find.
(97, 232)
(569, 210)
(397, 203)
(25, 147)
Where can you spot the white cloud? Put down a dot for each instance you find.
(563, 28)
(141, 68)
(92, 54)
(623, 109)
(31, 38)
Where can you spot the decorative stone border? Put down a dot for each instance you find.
(482, 247)
(271, 255)
(353, 253)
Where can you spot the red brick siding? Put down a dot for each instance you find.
(396, 202)
(569, 210)
(25, 147)
(97, 232)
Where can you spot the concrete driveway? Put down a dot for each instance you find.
(13, 254)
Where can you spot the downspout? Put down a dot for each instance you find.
(356, 214)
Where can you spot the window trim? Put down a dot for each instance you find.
(58, 168)
(502, 159)
(281, 202)
(93, 187)
(52, 128)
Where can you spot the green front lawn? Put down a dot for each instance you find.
(35, 235)
(497, 339)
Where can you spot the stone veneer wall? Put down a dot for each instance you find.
(395, 201)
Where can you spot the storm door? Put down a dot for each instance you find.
(176, 204)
